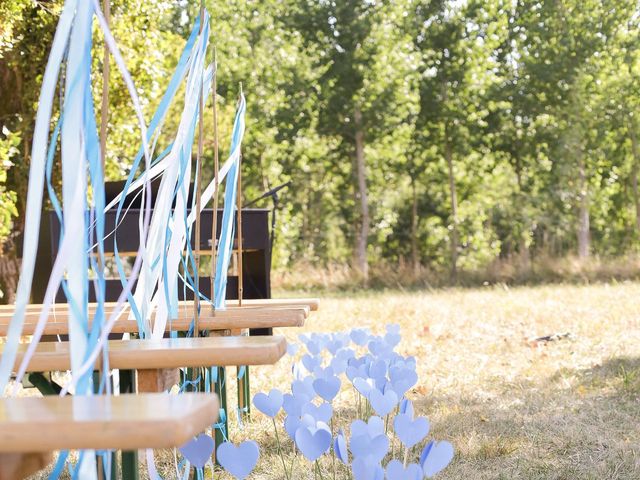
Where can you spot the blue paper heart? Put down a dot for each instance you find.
(353, 372)
(238, 461)
(322, 412)
(392, 339)
(303, 387)
(340, 447)
(359, 336)
(198, 450)
(393, 328)
(292, 348)
(327, 388)
(366, 468)
(311, 362)
(376, 447)
(379, 348)
(409, 431)
(373, 428)
(435, 457)
(269, 404)
(311, 443)
(314, 347)
(396, 471)
(363, 386)
(383, 403)
(338, 365)
(406, 407)
(378, 369)
(293, 404)
(292, 423)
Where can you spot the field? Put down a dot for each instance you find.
(513, 407)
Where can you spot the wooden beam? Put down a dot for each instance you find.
(233, 318)
(312, 303)
(125, 422)
(164, 353)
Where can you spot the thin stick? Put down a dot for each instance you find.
(104, 118)
(239, 206)
(216, 169)
(196, 292)
(104, 111)
(284, 466)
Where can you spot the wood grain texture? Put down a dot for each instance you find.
(125, 422)
(236, 318)
(165, 353)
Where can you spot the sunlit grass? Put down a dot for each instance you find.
(513, 408)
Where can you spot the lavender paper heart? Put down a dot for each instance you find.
(238, 461)
(198, 450)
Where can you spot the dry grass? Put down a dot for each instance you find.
(568, 409)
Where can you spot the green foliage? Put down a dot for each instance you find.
(528, 110)
(9, 143)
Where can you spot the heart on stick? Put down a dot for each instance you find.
(198, 450)
(269, 404)
(409, 431)
(238, 461)
(396, 471)
(313, 444)
(435, 457)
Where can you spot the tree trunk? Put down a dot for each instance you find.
(415, 257)
(583, 212)
(361, 174)
(448, 155)
(634, 170)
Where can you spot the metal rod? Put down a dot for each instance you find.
(216, 170)
(198, 193)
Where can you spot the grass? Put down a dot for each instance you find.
(513, 408)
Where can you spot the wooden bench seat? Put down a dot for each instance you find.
(232, 318)
(312, 303)
(125, 422)
(165, 353)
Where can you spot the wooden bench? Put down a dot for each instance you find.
(32, 426)
(237, 318)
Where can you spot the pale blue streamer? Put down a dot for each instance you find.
(226, 233)
(35, 189)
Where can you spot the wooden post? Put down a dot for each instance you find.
(216, 170)
(239, 221)
(198, 193)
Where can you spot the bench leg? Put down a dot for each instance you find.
(244, 394)
(129, 459)
(220, 387)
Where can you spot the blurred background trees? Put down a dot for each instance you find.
(439, 136)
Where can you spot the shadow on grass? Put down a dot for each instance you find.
(582, 423)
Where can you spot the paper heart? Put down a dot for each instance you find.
(269, 404)
(338, 365)
(333, 346)
(396, 471)
(313, 444)
(376, 447)
(198, 450)
(340, 447)
(238, 461)
(435, 457)
(292, 348)
(359, 336)
(303, 387)
(363, 386)
(345, 354)
(292, 423)
(393, 328)
(356, 371)
(379, 348)
(392, 339)
(378, 369)
(409, 431)
(322, 412)
(382, 403)
(293, 404)
(314, 347)
(327, 388)
(406, 407)
(373, 428)
(365, 468)
(311, 362)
